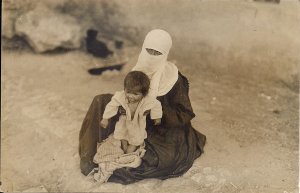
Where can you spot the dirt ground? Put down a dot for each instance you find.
(251, 128)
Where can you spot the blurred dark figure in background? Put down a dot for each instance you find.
(118, 44)
(96, 47)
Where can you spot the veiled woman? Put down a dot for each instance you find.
(171, 147)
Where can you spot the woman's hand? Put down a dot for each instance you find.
(104, 123)
(146, 112)
(156, 121)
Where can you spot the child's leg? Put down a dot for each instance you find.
(131, 148)
(124, 145)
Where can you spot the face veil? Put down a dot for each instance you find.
(162, 73)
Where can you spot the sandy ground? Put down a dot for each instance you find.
(252, 129)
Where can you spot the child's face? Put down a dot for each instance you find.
(133, 96)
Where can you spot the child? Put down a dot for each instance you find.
(131, 127)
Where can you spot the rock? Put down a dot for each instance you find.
(207, 170)
(211, 178)
(36, 189)
(10, 12)
(222, 181)
(46, 30)
(197, 177)
(225, 173)
(208, 184)
(109, 74)
(149, 184)
(265, 96)
(8, 25)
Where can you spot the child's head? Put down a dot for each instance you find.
(136, 85)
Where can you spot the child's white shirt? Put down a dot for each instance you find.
(132, 129)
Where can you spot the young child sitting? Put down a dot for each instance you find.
(131, 128)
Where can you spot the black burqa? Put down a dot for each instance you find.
(171, 148)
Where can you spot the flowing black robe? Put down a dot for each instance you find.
(171, 148)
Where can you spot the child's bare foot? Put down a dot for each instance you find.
(131, 148)
(124, 145)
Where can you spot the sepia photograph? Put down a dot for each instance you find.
(157, 96)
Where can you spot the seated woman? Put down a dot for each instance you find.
(172, 146)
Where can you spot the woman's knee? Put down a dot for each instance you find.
(100, 101)
(102, 98)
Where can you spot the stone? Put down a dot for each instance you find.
(11, 10)
(149, 184)
(36, 189)
(8, 25)
(197, 177)
(211, 178)
(207, 170)
(222, 181)
(46, 29)
(225, 173)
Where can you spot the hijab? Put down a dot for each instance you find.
(162, 73)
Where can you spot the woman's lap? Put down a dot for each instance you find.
(167, 155)
(164, 158)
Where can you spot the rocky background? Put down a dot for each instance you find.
(241, 57)
(257, 40)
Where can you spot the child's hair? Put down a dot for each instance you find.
(137, 80)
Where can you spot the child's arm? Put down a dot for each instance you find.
(111, 110)
(104, 123)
